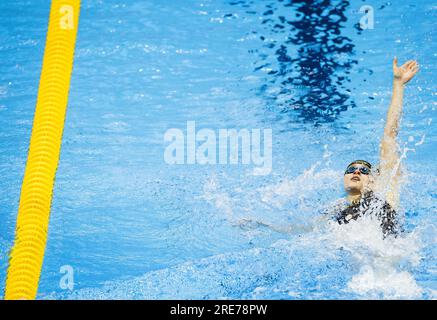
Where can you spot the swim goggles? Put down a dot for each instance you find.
(352, 169)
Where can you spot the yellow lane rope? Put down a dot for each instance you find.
(27, 255)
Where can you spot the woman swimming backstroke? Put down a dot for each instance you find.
(361, 183)
(369, 190)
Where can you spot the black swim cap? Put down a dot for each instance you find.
(363, 162)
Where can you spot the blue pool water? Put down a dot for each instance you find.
(132, 226)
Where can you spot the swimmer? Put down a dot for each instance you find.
(374, 191)
(362, 183)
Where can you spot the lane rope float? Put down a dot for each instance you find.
(27, 254)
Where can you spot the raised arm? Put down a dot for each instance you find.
(389, 156)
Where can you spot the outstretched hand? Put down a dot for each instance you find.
(405, 72)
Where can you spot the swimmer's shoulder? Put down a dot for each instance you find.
(379, 199)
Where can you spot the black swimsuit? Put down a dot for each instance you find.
(370, 203)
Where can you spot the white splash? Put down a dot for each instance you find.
(380, 275)
(303, 186)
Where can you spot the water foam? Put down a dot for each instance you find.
(382, 261)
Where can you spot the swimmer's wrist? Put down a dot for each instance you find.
(398, 82)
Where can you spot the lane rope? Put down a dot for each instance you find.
(27, 254)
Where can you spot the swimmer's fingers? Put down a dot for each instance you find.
(408, 64)
(399, 70)
(405, 72)
(396, 68)
(413, 68)
(411, 65)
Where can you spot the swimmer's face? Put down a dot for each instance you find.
(356, 181)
